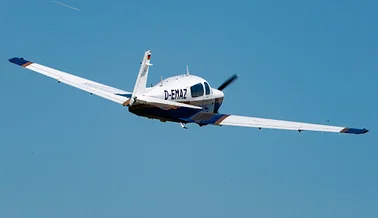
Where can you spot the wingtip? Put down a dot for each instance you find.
(20, 61)
(354, 131)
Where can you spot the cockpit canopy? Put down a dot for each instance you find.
(199, 90)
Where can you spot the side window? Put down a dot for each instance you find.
(207, 88)
(197, 90)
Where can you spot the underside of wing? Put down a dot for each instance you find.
(203, 118)
(104, 91)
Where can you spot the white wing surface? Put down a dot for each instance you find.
(205, 118)
(233, 120)
(104, 91)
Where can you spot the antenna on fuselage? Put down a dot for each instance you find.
(187, 70)
(161, 81)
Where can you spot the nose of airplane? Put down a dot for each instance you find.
(217, 93)
(218, 96)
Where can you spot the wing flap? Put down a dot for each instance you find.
(101, 90)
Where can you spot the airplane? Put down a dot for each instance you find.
(183, 99)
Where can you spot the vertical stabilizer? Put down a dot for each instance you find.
(141, 82)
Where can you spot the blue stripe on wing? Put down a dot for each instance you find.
(124, 95)
(205, 118)
(354, 131)
(20, 61)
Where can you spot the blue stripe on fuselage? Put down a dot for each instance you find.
(180, 114)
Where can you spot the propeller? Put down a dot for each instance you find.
(227, 82)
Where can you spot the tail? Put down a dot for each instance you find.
(141, 82)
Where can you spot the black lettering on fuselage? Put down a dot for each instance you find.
(166, 94)
(184, 97)
(175, 94)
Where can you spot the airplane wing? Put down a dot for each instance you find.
(204, 118)
(104, 91)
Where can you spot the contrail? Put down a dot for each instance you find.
(60, 3)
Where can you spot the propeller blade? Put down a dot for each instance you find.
(227, 82)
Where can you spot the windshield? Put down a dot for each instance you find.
(197, 90)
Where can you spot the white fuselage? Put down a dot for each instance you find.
(188, 89)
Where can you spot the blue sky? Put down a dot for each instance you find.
(66, 153)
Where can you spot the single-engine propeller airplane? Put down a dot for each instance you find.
(183, 99)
